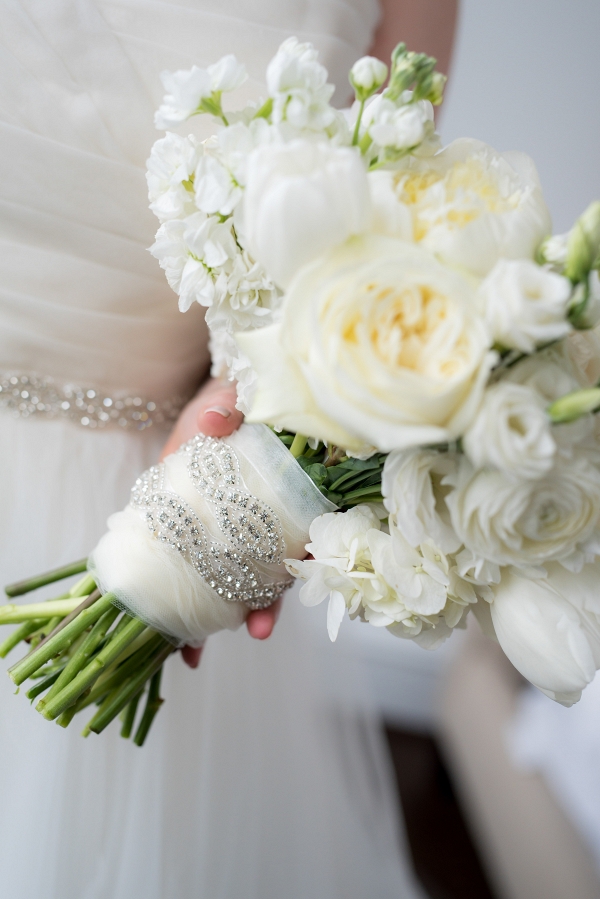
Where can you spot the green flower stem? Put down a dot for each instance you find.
(366, 495)
(60, 641)
(20, 633)
(117, 700)
(40, 580)
(153, 704)
(80, 659)
(67, 716)
(87, 602)
(15, 614)
(129, 717)
(298, 445)
(83, 587)
(111, 679)
(358, 121)
(43, 685)
(93, 670)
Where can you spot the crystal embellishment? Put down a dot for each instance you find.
(228, 568)
(30, 394)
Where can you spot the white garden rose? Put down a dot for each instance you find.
(511, 432)
(414, 496)
(379, 345)
(550, 628)
(468, 204)
(302, 198)
(525, 305)
(528, 523)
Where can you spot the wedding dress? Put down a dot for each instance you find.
(251, 786)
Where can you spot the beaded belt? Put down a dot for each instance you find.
(30, 394)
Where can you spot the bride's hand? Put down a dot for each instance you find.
(212, 412)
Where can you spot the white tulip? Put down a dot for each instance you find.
(511, 432)
(528, 523)
(471, 205)
(412, 486)
(302, 198)
(550, 628)
(379, 345)
(525, 305)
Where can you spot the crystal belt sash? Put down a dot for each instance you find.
(28, 394)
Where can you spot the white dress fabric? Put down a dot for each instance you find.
(251, 785)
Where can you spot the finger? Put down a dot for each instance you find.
(260, 623)
(191, 655)
(211, 412)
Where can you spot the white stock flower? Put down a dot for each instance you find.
(302, 198)
(550, 628)
(379, 345)
(524, 304)
(187, 88)
(171, 165)
(367, 75)
(414, 496)
(511, 432)
(400, 127)
(228, 362)
(527, 523)
(468, 204)
(249, 299)
(297, 82)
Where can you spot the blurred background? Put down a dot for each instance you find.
(500, 786)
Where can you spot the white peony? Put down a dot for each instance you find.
(511, 432)
(379, 345)
(170, 168)
(302, 198)
(550, 628)
(528, 523)
(187, 88)
(525, 305)
(468, 204)
(414, 496)
(297, 83)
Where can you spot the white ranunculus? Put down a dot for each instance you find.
(367, 75)
(550, 628)
(414, 496)
(528, 523)
(511, 432)
(524, 304)
(297, 83)
(401, 127)
(380, 345)
(302, 198)
(186, 89)
(170, 167)
(470, 205)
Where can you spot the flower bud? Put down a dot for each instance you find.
(367, 75)
(574, 405)
(553, 252)
(583, 246)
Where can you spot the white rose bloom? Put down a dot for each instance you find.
(469, 204)
(511, 432)
(368, 74)
(186, 89)
(414, 496)
(525, 305)
(528, 523)
(379, 345)
(401, 127)
(170, 167)
(550, 628)
(297, 82)
(302, 198)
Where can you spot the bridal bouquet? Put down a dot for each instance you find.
(415, 355)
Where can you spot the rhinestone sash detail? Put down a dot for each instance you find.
(31, 394)
(251, 529)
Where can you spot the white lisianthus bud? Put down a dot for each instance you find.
(525, 305)
(511, 432)
(367, 75)
(553, 252)
(574, 405)
(302, 198)
(583, 249)
(550, 628)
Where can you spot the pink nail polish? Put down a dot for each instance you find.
(219, 410)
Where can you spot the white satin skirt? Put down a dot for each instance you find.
(252, 783)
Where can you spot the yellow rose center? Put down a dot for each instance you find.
(454, 198)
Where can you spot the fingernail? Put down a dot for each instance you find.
(219, 410)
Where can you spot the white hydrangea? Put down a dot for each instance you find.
(170, 168)
(187, 88)
(297, 83)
